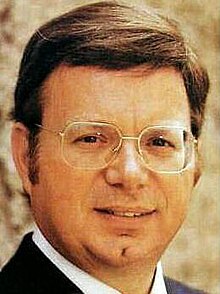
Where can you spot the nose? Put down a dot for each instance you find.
(127, 171)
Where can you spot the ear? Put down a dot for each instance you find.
(19, 143)
(198, 163)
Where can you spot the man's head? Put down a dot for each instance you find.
(114, 64)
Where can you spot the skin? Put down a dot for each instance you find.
(117, 250)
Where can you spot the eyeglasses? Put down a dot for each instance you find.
(94, 145)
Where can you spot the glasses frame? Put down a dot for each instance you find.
(123, 137)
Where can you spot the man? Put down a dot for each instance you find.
(109, 106)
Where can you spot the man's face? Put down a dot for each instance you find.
(66, 199)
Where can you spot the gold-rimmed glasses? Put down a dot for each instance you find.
(94, 145)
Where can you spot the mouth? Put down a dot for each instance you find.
(125, 213)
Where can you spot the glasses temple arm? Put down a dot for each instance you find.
(60, 133)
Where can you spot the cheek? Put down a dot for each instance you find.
(67, 183)
(177, 191)
(61, 200)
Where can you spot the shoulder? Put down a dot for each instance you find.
(30, 271)
(16, 268)
(176, 287)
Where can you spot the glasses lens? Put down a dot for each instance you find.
(90, 145)
(165, 149)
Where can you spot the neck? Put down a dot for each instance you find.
(134, 282)
(128, 275)
(128, 279)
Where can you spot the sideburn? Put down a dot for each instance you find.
(33, 167)
(198, 163)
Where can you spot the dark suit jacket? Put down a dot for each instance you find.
(31, 272)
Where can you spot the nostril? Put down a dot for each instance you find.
(113, 177)
(118, 185)
(140, 186)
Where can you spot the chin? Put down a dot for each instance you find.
(121, 255)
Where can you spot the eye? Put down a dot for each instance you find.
(161, 142)
(97, 139)
(89, 139)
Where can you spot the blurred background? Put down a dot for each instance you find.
(194, 255)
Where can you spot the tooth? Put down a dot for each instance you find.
(118, 213)
(129, 214)
(126, 214)
(138, 214)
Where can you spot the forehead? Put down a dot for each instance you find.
(136, 97)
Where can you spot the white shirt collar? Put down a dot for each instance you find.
(86, 283)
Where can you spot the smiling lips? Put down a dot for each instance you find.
(127, 213)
